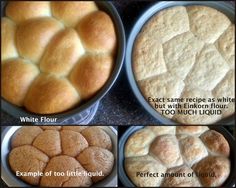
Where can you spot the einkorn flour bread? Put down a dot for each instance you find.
(187, 52)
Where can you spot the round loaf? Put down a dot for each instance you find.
(25, 136)
(144, 164)
(72, 45)
(192, 150)
(215, 168)
(91, 73)
(166, 149)
(182, 179)
(97, 137)
(184, 53)
(70, 12)
(17, 77)
(8, 46)
(72, 143)
(182, 156)
(65, 164)
(49, 142)
(138, 144)
(28, 159)
(216, 142)
(61, 154)
(96, 159)
(53, 95)
(32, 37)
(97, 32)
(57, 58)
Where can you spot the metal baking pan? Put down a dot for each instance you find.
(225, 7)
(230, 182)
(108, 7)
(12, 181)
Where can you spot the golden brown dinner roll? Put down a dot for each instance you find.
(74, 128)
(215, 168)
(70, 12)
(178, 177)
(216, 143)
(97, 32)
(64, 164)
(72, 143)
(191, 130)
(17, 77)
(8, 46)
(139, 170)
(25, 136)
(32, 36)
(50, 127)
(96, 159)
(138, 143)
(20, 11)
(28, 159)
(192, 149)
(166, 149)
(97, 137)
(91, 73)
(62, 53)
(160, 130)
(207, 23)
(53, 95)
(49, 142)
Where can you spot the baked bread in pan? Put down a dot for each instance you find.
(191, 158)
(55, 55)
(187, 52)
(43, 150)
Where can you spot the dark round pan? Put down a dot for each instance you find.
(108, 7)
(128, 183)
(225, 7)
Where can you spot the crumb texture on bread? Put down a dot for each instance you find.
(186, 52)
(70, 44)
(182, 156)
(84, 154)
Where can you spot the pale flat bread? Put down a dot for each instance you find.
(207, 23)
(180, 53)
(226, 45)
(168, 23)
(209, 69)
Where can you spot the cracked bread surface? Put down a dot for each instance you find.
(186, 52)
(186, 149)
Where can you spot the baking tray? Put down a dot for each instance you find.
(225, 7)
(230, 182)
(12, 181)
(108, 7)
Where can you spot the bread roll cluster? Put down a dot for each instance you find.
(187, 52)
(55, 54)
(59, 149)
(183, 156)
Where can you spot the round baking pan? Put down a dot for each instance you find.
(108, 7)
(128, 183)
(12, 181)
(225, 7)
